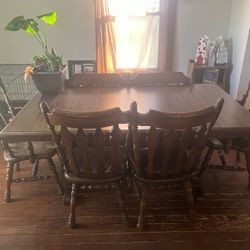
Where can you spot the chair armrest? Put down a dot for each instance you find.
(17, 109)
(3, 119)
(215, 143)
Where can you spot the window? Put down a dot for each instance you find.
(136, 33)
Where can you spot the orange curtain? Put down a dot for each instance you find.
(105, 38)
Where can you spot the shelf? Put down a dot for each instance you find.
(196, 73)
(211, 67)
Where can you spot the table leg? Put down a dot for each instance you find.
(197, 190)
(9, 177)
(247, 153)
(67, 194)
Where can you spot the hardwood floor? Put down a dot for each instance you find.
(37, 218)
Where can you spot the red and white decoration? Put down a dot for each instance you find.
(202, 51)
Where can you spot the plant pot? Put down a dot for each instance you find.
(49, 82)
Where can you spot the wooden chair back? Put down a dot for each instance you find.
(159, 78)
(7, 101)
(190, 71)
(91, 145)
(81, 66)
(129, 79)
(173, 142)
(244, 99)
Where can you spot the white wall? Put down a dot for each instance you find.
(73, 35)
(245, 72)
(238, 31)
(245, 75)
(196, 18)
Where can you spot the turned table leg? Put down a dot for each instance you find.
(73, 202)
(9, 176)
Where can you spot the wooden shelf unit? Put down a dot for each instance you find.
(196, 73)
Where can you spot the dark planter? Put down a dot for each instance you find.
(49, 82)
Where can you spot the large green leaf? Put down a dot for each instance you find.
(15, 24)
(49, 18)
(30, 26)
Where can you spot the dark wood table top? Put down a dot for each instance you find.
(29, 123)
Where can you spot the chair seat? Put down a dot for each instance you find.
(20, 150)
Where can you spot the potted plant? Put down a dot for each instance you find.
(47, 72)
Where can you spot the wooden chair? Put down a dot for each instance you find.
(34, 151)
(129, 79)
(93, 153)
(16, 152)
(239, 144)
(11, 109)
(159, 78)
(81, 66)
(170, 151)
(243, 101)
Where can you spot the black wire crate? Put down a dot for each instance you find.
(13, 78)
(18, 91)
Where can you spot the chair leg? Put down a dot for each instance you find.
(73, 203)
(238, 155)
(129, 179)
(190, 199)
(206, 160)
(136, 187)
(222, 158)
(122, 202)
(140, 222)
(17, 167)
(247, 156)
(58, 181)
(35, 166)
(9, 177)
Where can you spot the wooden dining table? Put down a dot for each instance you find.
(234, 120)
